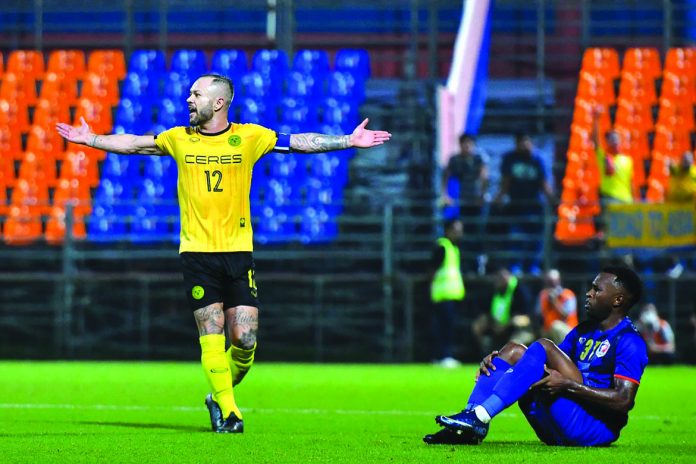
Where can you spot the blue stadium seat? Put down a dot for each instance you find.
(114, 166)
(305, 87)
(254, 111)
(274, 226)
(323, 193)
(178, 86)
(316, 226)
(190, 62)
(311, 62)
(172, 112)
(344, 86)
(340, 113)
(103, 225)
(230, 63)
(130, 115)
(141, 88)
(147, 63)
(252, 84)
(269, 62)
(353, 61)
(146, 227)
(296, 111)
(330, 166)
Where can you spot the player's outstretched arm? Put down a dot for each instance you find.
(312, 142)
(125, 144)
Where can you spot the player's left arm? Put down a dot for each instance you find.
(621, 397)
(312, 142)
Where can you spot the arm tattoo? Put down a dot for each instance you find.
(312, 142)
(210, 319)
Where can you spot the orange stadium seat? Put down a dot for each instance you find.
(23, 226)
(55, 227)
(30, 194)
(96, 113)
(595, 86)
(630, 113)
(638, 87)
(637, 142)
(655, 192)
(583, 114)
(70, 63)
(45, 140)
(643, 60)
(581, 138)
(27, 63)
(111, 63)
(671, 142)
(659, 167)
(16, 89)
(49, 111)
(7, 170)
(572, 228)
(601, 60)
(100, 88)
(14, 115)
(39, 168)
(79, 165)
(10, 142)
(75, 192)
(3, 194)
(681, 61)
(678, 88)
(59, 88)
(675, 114)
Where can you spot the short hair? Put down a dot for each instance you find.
(629, 280)
(224, 80)
(466, 136)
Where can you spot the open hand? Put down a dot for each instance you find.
(365, 138)
(81, 134)
(487, 365)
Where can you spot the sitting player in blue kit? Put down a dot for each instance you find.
(575, 394)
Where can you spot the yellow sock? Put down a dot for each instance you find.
(217, 371)
(240, 361)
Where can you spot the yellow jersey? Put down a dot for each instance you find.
(214, 180)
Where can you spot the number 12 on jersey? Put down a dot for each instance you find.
(213, 177)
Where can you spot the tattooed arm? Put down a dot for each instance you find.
(318, 143)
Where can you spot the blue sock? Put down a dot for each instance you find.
(484, 384)
(515, 383)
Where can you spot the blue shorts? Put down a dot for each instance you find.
(562, 422)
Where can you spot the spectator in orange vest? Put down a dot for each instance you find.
(557, 307)
(658, 335)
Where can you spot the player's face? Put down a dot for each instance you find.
(200, 103)
(599, 299)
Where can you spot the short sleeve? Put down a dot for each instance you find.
(631, 358)
(265, 141)
(165, 141)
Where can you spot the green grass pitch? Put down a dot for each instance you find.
(300, 413)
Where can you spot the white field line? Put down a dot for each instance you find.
(355, 412)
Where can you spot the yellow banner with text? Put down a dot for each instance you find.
(650, 225)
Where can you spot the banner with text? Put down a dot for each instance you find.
(650, 226)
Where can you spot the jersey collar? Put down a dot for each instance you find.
(213, 134)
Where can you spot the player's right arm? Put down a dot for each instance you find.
(124, 144)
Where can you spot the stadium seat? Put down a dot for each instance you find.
(10, 143)
(79, 165)
(23, 226)
(38, 168)
(172, 112)
(104, 225)
(316, 226)
(254, 111)
(33, 195)
(147, 227)
(584, 114)
(353, 61)
(670, 142)
(150, 63)
(56, 227)
(45, 140)
(343, 85)
(274, 226)
(305, 87)
(313, 63)
(189, 62)
(634, 114)
(109, 62)
(75, 192)
(29, 64)
(602, 60)
(596, 87)
(644, 60)
(678, 88)
(59, 89)
(296, 111)
(573, 229)
(14, 113)
(97, 113)
(677, 114)
(270, 62)
(129, 115)
(638, 87)
(48, 112)
(230, 63)
(3, 194)
(69, 63)
(177, 86)
(141, 88)
(18, 88)
(7, 170)
(100, 88)
(681, 61)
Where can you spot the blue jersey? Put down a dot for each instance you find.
(602, 356)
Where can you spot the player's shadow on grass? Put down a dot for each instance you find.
(135, 425)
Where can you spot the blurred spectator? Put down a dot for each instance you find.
(615, 168)
(658, 335)
(524, 183)
(682, 180)
(470, 168)
(446, 292)
(508, 318)
(557, 307)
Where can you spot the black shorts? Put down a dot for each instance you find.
(226, 278)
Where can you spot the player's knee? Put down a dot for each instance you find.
(247, 340)
(512, 352)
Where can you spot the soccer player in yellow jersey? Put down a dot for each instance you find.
(215, 158)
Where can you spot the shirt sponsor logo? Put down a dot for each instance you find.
(603, 348)
(213, 159)
(194, 139)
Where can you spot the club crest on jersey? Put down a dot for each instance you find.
(603, 348)
(234, 140)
